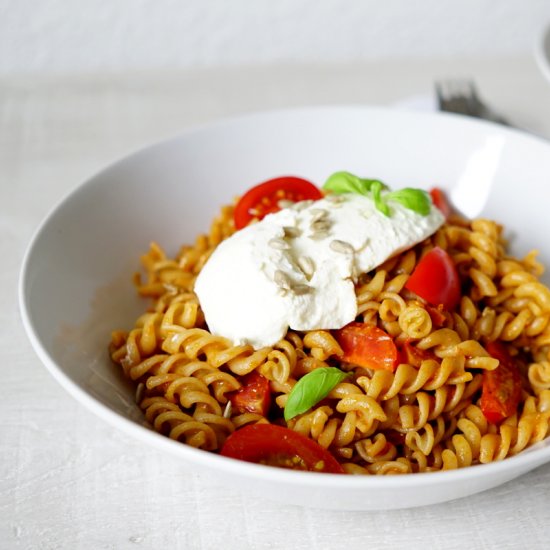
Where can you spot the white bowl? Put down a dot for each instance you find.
(76, 286)
(542, 52)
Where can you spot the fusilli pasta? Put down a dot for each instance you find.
(424, 416)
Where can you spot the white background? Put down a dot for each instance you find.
(55, 36)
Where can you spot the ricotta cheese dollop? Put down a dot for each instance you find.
(297, 268)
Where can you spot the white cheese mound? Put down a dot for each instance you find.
(296, 268)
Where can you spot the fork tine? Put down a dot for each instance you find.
(461, 96)
(453, 95)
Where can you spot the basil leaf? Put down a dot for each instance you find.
(346, 182)
(311, 388)
(379, 201)
(413, 199)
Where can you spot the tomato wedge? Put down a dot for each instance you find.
(279, 446)
(440, 200)
(367, 346)
(254, 396)
(436, 314)
(410, 354)
(436, 280)
(501, 389)
(264, 198)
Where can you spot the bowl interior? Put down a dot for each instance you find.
(76, 285)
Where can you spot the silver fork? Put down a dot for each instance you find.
(461, 96)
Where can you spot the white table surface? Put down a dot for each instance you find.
(67, 479)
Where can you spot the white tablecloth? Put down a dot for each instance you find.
(67, 479)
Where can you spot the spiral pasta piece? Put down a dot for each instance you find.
(166, 417)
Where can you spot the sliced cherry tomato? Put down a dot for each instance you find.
(440, 200)
(501, 389)
(279, 446)
(367, 346)
(410, 354)
(436, 315)
(436, 279)
(264, 198)
(254, 396)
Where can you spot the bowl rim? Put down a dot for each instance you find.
(541, 49)
(529, 458)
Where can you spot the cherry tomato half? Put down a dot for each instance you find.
(501, 389)
(254, 396)
(440, 200)
(435, 279)
(437, 314)
(263, 199)
(367, 346)
(278, 446)
(410, 354)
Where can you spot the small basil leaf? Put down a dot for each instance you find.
(413, 199)
(379, 201)
(311, 388)
(346, 182)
